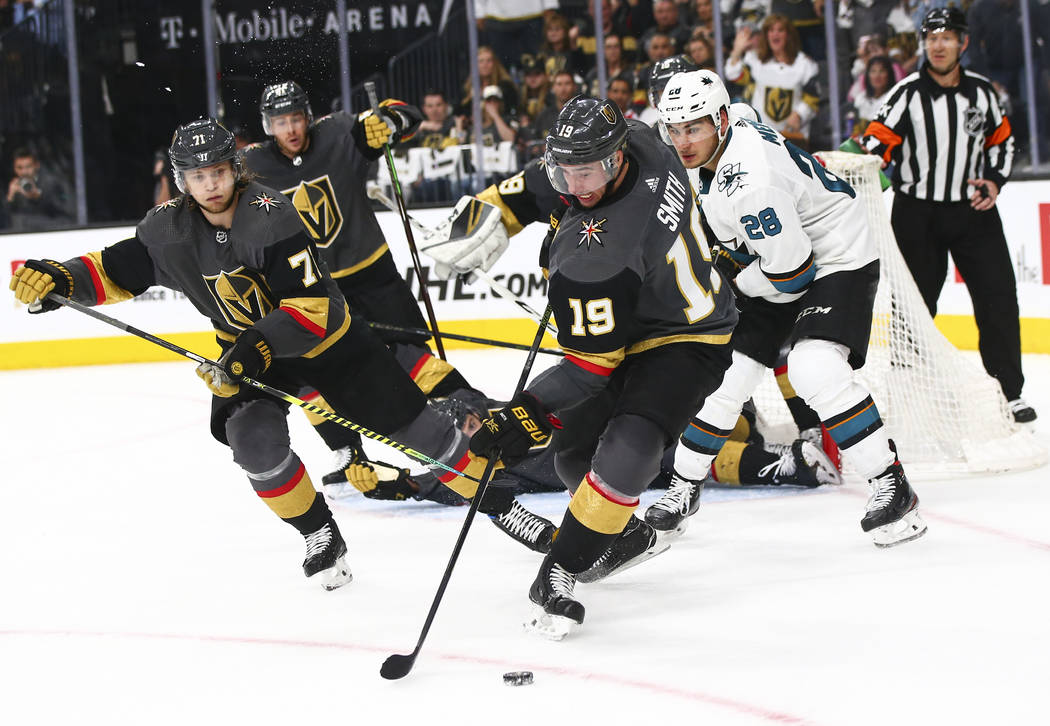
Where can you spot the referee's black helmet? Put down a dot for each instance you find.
(944, 19)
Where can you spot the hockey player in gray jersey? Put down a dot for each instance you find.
(242, 256)
(810, 271)
(322, 166)
(645, 323)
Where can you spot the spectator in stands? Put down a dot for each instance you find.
(782, 77)
(163, 180)
(870, 17)
(536, 88)
(876, 82)
(668, 22)
(583, 33)
(700, 50)
(615, 65)
(496, 124)
(702, 17)
(513, 27)
(436, 130)
(36, 199)
(559, 49)
(563, 87)
(492, 73)
(659, 46)
(868, 47)
(621, 92)
(996, 47)
(807, 17)
(7, 15)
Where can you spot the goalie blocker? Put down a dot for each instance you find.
(473, 236)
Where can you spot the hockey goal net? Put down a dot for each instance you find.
(945, 414)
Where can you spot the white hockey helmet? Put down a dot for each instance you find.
(691, 96)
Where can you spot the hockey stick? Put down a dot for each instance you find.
(374, 192)
(397, 666)
(370, 87)
(275, 392)
(466, 338)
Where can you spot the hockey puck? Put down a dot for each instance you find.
(517, 678)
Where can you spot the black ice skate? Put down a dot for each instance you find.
(637, 543)
(530, 529)
(556, 612)
(326, 556)
(893, 509)
(670, 513)
(803, 464)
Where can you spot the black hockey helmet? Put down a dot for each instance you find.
(281, 98)
(587, 130)
(201, 143)
(661, 73)
(950, 18)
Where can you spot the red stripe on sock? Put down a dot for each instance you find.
(622, 501)
(287, 486)
(419, 365)
(448, 476)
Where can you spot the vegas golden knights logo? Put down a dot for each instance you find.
(778, 103)
(607, 112)
(317, 206)
(240, 295)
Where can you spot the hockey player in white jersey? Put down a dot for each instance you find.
(808, 281)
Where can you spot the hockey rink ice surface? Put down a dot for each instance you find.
(141, 582)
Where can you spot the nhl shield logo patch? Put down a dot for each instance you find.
(973, 122)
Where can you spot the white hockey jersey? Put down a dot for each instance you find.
(781, 214)
(779, 89)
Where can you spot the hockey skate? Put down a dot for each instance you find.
(893, 509)
(555, 611)
(326, 556)
(819, 437)
(530, 529)
(802, 464)
(670, 514)
(637, 543)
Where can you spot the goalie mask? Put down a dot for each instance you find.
(582, 147)
(283, 98)
(690, 97)
(201, 143)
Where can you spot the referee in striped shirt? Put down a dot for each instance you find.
(952, 148)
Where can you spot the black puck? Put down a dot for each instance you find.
(517, 678)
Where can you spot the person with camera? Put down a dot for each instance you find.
(36, 200)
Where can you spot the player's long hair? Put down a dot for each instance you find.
(791, 46)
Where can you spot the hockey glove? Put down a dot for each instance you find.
(33, 281)
(385, 128)
(217, 381)
(514, 429)
(473, 236)
(248, 356)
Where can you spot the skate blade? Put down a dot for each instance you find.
(671, 535)
(661, 546)
(340, 490)
(909, 527)
(552, 627)
(335, 576)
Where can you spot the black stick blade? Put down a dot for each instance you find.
(397, 666)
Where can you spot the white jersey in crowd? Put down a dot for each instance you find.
(781, 214)
(780, 89)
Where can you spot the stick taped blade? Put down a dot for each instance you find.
(396, 666)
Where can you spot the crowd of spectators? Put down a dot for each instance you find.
(536, 54)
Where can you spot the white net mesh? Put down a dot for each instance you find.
(945, 414)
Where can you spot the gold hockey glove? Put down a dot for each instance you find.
(217, 381)
(33, 281)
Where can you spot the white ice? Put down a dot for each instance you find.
(141, 582)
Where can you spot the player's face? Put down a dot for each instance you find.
(695, 141)
(290, 131)
(212, 186)
(943, 49)
(586, 182)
